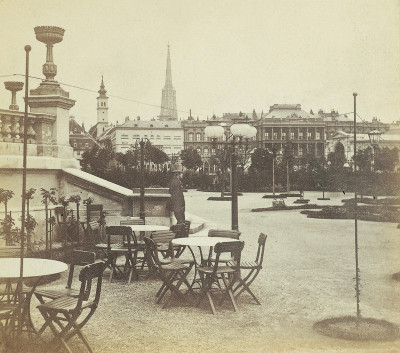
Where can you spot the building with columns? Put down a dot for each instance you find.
(195, 136)
(286, 123)
(168, 97)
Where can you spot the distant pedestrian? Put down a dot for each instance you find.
(176, 191)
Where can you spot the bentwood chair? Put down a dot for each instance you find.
(254, 268)
(172, 274)
(62, 314)
(77, 258)
(220, 271)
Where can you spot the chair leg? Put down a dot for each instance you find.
(244, 285)
(228, 287)
(205, 292)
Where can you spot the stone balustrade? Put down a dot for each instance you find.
(40, 133)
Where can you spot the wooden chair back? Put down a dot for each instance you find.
(87, 275)
(119, 236)
(181, 230)
(224, 233)
(152, 254)
(162, 236)
(79, 258)
(233, 247)
(131, 221)
(262, 238)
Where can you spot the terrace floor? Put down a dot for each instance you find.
(308, 276)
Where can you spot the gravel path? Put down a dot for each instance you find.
(308, 276)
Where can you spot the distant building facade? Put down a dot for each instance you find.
(79, 139)
(168, 136)
(336, 122)
(390, 140)
(288, 123)
(195, 137)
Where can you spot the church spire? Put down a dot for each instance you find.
(168, 98)
(102, 91)
(168, 74)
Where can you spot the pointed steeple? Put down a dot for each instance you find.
(102, 109)
(168, 98)
(168, 73)
(102, 91)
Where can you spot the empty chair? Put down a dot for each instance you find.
(172, 274)
(93, 226)
(254, 268)
(77, 258)
(224, 233)
(119, 244)
(62, 314)
(217, 271)
(162, 238)
(181, 230)
(138, 243)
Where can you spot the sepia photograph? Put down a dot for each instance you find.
(200, 176)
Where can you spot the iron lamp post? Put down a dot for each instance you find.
(142, 143)
(237, 133)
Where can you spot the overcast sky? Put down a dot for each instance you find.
(227, 56)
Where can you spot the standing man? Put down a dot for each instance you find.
(176, 191)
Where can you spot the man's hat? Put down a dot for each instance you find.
(176, 168)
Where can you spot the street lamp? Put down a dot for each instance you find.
(237, 133)
(142, 141)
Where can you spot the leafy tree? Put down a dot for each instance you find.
(191, 159)
(363, 159)
(261, 159)
(337, 157)
(386, 159)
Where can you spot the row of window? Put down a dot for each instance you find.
(301, 136)
(191, 137)
(152, 137)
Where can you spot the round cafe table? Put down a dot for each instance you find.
(200, 242)
(34, 268)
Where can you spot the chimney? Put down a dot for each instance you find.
(127, 119)
(138, 118)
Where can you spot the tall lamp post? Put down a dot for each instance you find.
(142, 143)
(237, 133)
